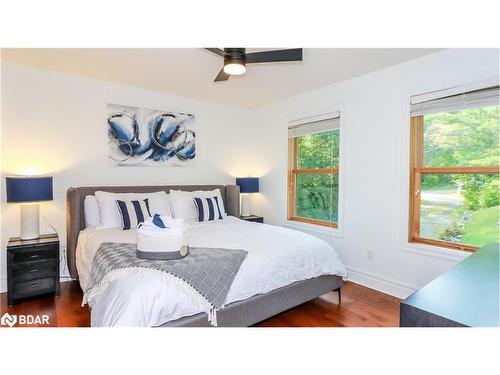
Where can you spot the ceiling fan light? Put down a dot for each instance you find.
(235, 68)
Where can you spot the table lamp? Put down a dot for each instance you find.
(29, 191)
(247, 185)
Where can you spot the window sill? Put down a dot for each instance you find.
(435, 251)
(314, 222)
(313, 228)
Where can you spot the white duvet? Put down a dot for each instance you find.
(145, 298)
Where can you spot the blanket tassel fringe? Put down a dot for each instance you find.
(167, 279)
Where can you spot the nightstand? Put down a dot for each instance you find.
(32, 267)
(254, 218)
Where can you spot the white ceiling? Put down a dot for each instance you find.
(190, 72)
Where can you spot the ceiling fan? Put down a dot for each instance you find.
(235, 59)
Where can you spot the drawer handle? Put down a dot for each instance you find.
(34, 285)
(34, 270)
(34, 256)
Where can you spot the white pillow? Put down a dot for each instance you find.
(91, 212)
(182, 202)
(110, 215)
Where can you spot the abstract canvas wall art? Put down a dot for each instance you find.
(147, 137)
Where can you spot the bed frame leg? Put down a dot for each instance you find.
(339, 294)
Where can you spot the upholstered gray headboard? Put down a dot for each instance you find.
(75, 217)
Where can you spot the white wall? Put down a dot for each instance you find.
(2, 254)
(55, 124)
(374, 130)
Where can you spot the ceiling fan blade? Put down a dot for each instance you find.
(222, 76)
(217, 51)
(294, 54)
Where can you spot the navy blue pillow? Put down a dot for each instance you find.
(208, 209)
(133, 213)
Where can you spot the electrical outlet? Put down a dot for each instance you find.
(369, 255)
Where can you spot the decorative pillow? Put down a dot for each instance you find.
(108, 210)
(208, 208)
(182, 204)
(133, 212)
(91, 212)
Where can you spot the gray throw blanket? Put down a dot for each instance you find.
(210, 272)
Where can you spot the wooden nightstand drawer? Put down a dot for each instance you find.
(32, 267)
(34, 270)
(34, 287)
(43, 253)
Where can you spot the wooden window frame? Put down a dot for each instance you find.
(293, 171)
(417, 169)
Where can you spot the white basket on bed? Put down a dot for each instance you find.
(167, 243)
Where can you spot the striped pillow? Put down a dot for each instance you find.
(133, 212)
(208, 208)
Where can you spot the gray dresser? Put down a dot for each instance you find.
(465, 296)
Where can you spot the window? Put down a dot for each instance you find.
(454, 178)
(313, 172)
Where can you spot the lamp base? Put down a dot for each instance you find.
(246, 205)
(30, 225)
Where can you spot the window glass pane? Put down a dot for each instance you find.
(460, 208)
(464, 138)
(317, 196)
(320, 150)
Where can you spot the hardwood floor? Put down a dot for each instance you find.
(64, 310)
(360, 307)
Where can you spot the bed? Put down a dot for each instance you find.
(283, 268)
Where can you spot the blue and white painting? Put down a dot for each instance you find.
(148, 137)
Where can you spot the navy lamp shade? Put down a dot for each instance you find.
(248, 184)
(30, 191)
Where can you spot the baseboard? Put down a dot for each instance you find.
(3, 285)
(380, 283)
